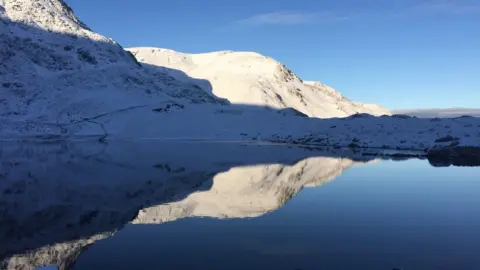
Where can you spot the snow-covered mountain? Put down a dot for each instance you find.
(53, 68)
(56, 70)
(60, 79)
(251, 78)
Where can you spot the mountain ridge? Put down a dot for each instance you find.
(58, 76)
(54, 69)
(246, 77)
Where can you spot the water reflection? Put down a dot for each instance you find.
(59, 198)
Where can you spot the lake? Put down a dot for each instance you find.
(191, 205)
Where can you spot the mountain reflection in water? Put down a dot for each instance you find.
(59, 198)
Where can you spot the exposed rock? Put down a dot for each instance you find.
(457, 156)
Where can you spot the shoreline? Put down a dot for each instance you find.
(437, 156)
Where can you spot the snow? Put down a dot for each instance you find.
(54, 69)
(239, 123)
(59, 79)
(254, 79)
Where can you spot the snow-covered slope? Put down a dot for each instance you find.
(53, 68)
(251, 78)
(60, 79)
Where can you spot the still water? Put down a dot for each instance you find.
(171, 205)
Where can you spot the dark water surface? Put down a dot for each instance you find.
(150, 205)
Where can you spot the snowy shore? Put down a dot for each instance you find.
(237, 123)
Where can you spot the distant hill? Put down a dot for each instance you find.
(252, 78)
(440, 113)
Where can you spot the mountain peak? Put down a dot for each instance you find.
(54, 15)
(53, 68)
(48, 33)
(255, 79)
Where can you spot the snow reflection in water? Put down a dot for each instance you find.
(60, 198)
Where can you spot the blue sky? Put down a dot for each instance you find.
(398, 53)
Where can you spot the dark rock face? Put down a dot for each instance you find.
(292, 111)
(446, 139)
(457, 156)
(359, 115)
(401, 116)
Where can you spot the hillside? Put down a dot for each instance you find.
(54, 69)
(251, 78)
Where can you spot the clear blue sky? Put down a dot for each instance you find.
(398, 53)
